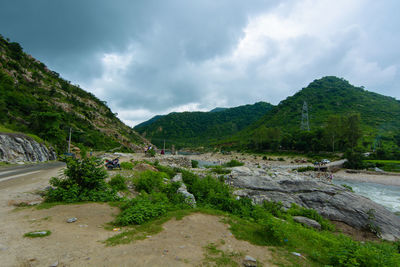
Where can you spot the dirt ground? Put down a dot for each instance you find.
(181, 243)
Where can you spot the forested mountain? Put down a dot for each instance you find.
(326, 98)
(36, 100)
(201, 128)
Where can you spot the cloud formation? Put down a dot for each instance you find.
(157, 57)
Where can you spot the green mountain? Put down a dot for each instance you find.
(379, 115)
(36, 100)
(190, 129)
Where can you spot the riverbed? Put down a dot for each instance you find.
(386, 195)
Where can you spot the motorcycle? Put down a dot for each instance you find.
(112, 164)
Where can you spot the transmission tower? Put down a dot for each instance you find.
(305, 126)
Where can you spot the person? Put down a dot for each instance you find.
(162, 152)
(330, 177)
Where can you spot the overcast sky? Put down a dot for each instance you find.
(154, 57)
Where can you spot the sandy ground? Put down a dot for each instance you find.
(181, 243)
(372, 178)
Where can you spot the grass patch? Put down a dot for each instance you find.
(40, 233)
(216, 257)
(304, 169)
(140, 232)
(127, 165)
(233, 163)
(386, 165)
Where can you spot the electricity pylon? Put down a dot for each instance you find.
(305, 126)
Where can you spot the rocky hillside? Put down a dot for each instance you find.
(201, 128)
(36, 100)
(22, 148)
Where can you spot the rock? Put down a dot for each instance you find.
(249, 261)
(308, 222)
(189, 198)
(71, 220)
(378, 170)
(55, 264)
(296, 254)
(3, 247)
(331, 201)
(39, 233)
(19, 148)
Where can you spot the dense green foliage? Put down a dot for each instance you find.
(233, 163)
(36, 100)
(118, 183)
(190, 129)
(127, 165)
(84, 181)
(341, 116)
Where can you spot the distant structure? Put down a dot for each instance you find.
(305, 126)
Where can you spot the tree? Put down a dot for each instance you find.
(333, 130)
(352, 131)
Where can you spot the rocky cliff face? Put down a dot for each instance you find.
(333, 202)
(19, 147)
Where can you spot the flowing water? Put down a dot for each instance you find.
(386, 195)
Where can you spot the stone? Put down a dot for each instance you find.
(71, 220)
(55, 264)
(3, 247)
(249, 261)
(308, 222)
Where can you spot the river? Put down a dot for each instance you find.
(386, 195)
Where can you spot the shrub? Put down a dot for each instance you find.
(195, 164)
(348, 187)
(84, 181)
(149, 181)
(305, 169)
(233, 163)
(127, 165)
(141, 210)
(117, 182)
(220, 170)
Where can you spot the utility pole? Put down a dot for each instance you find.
(305, 126)
(69, 140)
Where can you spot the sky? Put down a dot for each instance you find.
(146, 58)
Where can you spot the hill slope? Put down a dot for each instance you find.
(331, 96)
(35, 100)
(201, 128)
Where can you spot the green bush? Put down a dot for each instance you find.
(149, 181)
(305, 169)
(126, 165)
(117, 182)
(233, 163)
(84, 181)
(195, 164)
(219, 170)
(141, 210)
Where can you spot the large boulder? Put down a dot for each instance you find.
(331, 201)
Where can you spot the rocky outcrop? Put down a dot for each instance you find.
(189, 198)
(21, 148)
(333, 202)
